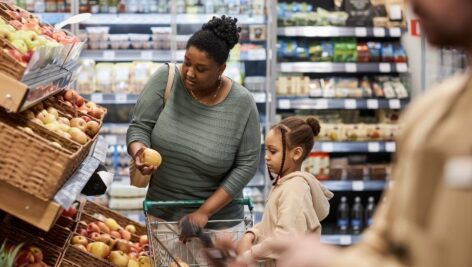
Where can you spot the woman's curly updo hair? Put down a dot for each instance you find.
(216, 38)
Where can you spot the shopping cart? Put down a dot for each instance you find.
(166, 250)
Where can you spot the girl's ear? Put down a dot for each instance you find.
(297, 154)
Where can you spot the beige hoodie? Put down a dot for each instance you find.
(296, 205)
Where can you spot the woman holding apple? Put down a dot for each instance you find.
(208, 132)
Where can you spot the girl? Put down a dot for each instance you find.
(298, 201)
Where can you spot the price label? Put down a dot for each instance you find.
(402, 67)
(345, 240)
(372, 104)
(379, 32)
(121, 98)
(394, 103)
(350, 104)
(385, 67)
(327, 147)
(321, 104)
(351, 67)
(395, 32)
(284, 104)
(146, 55)
(390, 147)
(109, 55)
(97, 98)
(100, 149)
(373, 147)
(361, 32)
(358, 186)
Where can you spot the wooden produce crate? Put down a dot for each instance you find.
(82, 258)
(86, 218)
(31, 162)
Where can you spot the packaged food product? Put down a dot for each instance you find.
(377, 90)
(139, 41)
(366, 87)
(97, 33)
(345, 50)
(86, 77)
(104, 77)
(181, 41)
(374, 132)
(379, 171)
(139, 75)
(122, 73)
(363, 52)
(355, 132)
(315, 89)
(328, 85)
(358, 172)
(119, 41)
(317, 164)
(333, 132)
(327, 48)
(388, 90)
(387, 52)
(375, 49)
(399, 53)
(399, 88)
(338, 168)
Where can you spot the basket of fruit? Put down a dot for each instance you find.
(34, 159)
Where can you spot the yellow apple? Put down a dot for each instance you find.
(112, 224)
(78, 123)
(119, 258)
(78, 136)
(151, 157)
(92, 128)
(53, 111)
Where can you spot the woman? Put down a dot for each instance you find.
(208, 133)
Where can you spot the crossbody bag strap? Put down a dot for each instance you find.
(170, 81)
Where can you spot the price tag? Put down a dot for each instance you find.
(100, 149)
(321, 104)
(361, 32)
(390, 147)
(394, 103)
(109, 55)
(97, 98)
(146, 55)
(327, 147)
(284, 104)
(345, 240)
(121, 98)
(350, 104)
(379, 32)
(351, 67)
(402, 67)
(111, 139)
(373, 147)
(395, 32)
(385, 67)
(372, 104)
(358, 186)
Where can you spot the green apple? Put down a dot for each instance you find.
(6, 28)
(20, 45)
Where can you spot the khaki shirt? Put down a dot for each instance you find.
(426, 219)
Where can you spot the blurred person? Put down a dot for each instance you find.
(426, 217)
(298, 201)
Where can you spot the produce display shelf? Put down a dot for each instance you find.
(355, 147)
(52, 18)
(330, 67)
(333, 31)
(43, 214)
(284, 103)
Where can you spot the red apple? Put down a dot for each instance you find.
(115, 234)
(124, 234)
(79, 101)
(93, 228)
(24, 258)
(103, 227)
(95, 112)
(95, 236)
(80, 240)
(83, 232)
(71, 212)
(122, 245)
(105, 238)
(37, 253)
(69, 96)
(86, 118)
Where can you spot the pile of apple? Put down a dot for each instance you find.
(25, 33)
(74, 100)
(78, 129)
(30, 257)
(108, 240)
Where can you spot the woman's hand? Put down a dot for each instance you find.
(245, 243)
(197, 220)
(137, 153)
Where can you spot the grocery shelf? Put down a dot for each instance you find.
(333, 31)
(357, 147)
(344, 240)
(116, 55)
(159, 19)
(52, 18)
(123, 98)
(330, 67)
(339, 103)
(355, 185)
(127, 55)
